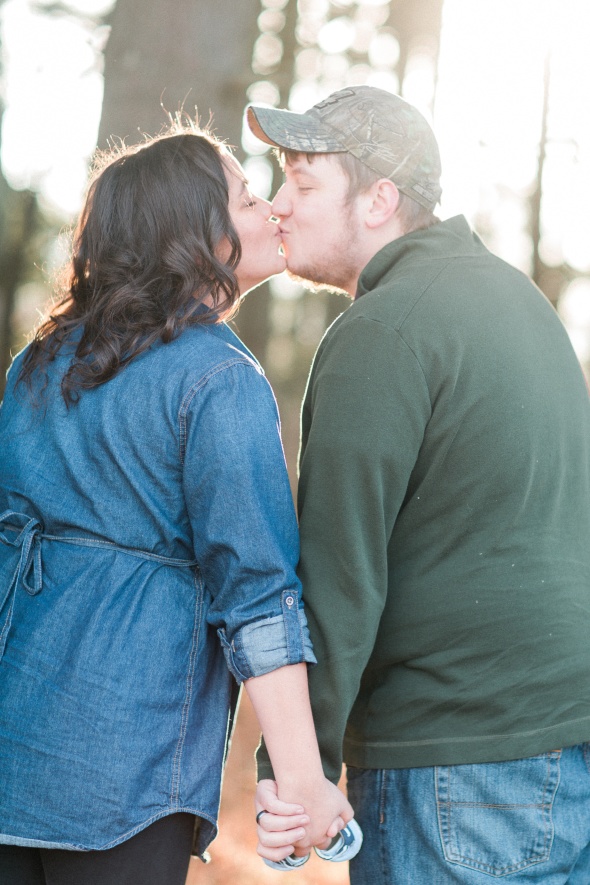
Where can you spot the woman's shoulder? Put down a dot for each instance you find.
(169, 370)
(207, 345)
(189, 362)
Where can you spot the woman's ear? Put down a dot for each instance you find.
(384, 203)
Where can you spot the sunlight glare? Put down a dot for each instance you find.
(52, 106)
(574, 308)
(336, 35)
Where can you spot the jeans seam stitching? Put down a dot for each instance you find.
(382, 799)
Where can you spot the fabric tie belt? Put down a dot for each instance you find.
(27, 534)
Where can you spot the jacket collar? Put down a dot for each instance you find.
(446, 239)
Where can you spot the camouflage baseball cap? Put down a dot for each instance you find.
(379, 128)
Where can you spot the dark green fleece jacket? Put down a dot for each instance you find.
(444, 506)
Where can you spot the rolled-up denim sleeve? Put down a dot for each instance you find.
(243, 519)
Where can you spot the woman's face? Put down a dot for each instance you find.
(260, 238)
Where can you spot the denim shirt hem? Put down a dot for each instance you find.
(205, 832)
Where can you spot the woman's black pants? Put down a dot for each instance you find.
(158, 855)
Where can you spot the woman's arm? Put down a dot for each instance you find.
(281, 702)
(246, 542)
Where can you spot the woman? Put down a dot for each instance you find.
(147, 538)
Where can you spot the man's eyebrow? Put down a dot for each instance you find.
(302, 167)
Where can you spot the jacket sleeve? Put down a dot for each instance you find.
(243, 520)
(363, 421)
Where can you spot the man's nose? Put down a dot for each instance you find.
(281, 205)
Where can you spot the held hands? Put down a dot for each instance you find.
(287, 828)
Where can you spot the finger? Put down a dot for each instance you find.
(274, 853)
(266, 790)
(335, 827)
(304, 845)
(283, 839)
(273, 823)
(268, 785)
(276, 806)
(347, 813)
(267, 799)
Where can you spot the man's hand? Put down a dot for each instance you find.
(287, 828)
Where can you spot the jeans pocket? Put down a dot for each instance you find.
(496, 817)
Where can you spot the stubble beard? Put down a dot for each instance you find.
(335, 272)
(314, 280)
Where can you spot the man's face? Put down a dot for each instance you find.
(319, 228)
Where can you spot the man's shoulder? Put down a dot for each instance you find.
(441, 281)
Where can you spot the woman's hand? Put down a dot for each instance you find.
(281, 701)
(285, 830)
(282, 824)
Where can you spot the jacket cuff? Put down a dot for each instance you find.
(265, 645)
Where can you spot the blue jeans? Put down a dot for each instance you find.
(524, 821)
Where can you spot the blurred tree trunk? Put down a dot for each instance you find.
(550, 279)
(7, 294)
(176, 53)
(18, 215)
(18, 212)
(418, 26)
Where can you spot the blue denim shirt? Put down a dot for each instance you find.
(148, 546)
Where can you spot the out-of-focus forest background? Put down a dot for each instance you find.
(506, 84)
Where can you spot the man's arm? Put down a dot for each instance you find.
(363, 421)
(364, 415)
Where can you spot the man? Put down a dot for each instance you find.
(444, 504)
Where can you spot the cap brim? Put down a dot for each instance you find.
(294, 132)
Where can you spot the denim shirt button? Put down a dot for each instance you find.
(289, 600)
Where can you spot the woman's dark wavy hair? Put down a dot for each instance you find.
(145, 254)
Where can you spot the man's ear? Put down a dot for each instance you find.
(384, 203)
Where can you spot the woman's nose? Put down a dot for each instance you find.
(266, 208)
